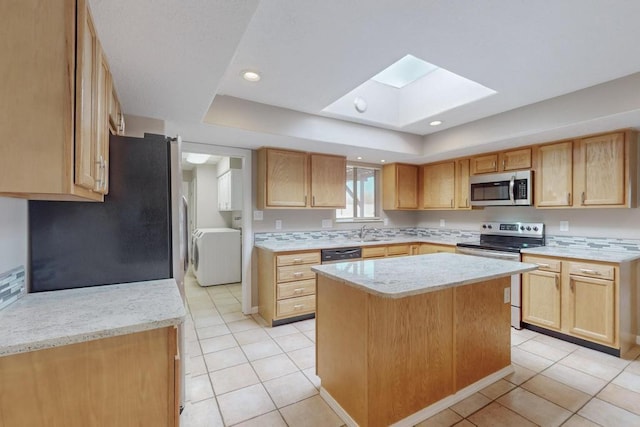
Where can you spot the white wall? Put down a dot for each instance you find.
(206, 200)
(620, 223)
(13, 233)
(137, 126)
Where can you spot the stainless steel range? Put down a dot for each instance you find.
(504, 240)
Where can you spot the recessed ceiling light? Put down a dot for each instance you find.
(197, 159)
(382, 161)
(359, 158)
(436, 123)
(251, 76)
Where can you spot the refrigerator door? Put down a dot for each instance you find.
(126, 238)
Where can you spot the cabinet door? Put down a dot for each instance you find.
(87, 62)
(591, 308)
(600, 170)
(428, 248)
(554, 175)
(484, 164)
(516, 159)
(286, 178)
(439, 186)
(223, 191)
(541, 299)
(462, 184)
(328, 181)
(103, 98)
(406, 186)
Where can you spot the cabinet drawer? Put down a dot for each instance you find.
(301, 258)
(544, 264)
(395, 250)
(592, 270)
(296, 289)
(296, 306)
(295, 272)
(374, 251)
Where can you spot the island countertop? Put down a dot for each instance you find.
(52, 319)
(405, 276)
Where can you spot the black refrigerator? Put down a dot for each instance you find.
(129, 237)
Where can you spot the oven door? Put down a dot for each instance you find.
(516, 298)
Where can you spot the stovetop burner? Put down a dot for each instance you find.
(508, 237)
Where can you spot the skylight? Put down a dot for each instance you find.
(407, 92)
(406, 70)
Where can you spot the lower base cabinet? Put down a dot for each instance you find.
(127, 380)
(592, 301)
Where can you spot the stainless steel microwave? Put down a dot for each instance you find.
(502, 189)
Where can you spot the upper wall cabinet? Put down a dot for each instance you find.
(295, 179)
(438, 185)
(598, 171)
(399, 186)
(501, 162)
(55, 103)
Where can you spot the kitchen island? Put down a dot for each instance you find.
(399, 339)
(102, 355)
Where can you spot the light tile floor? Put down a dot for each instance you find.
(242, 373)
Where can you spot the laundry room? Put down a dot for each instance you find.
(212, 186)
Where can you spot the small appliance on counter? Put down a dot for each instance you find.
(505, 240)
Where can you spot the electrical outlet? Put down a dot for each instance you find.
(258, 215)
(442, 223)
(385, 221)
(564, 225)
(278, 224)
(507, 295)
(327, 223)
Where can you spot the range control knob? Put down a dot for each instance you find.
(522, 228)
(484, 225)
(535, 228)
(490, 227)
(528, 228)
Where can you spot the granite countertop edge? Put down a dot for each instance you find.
(583, 254)
(413, 289)
(39, 321)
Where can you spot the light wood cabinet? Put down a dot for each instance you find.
(598, 171)
(500, 162)
(462, 184)
(593, 301)
(438, 185)
(554, 175)
(391, 250)
(433, 248)
(129, 379)
(116, 116)
(286, 178)
(328, 180)
(286, 285)
(53, 98)
(399, 186)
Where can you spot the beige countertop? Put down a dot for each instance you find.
(405, 276)
(51, 319)
(583, 253)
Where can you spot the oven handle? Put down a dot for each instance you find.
(512, 189)
(489, 254)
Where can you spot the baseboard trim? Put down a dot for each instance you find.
(254, 310)
(430, 410)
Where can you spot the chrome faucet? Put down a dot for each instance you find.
(363, 231)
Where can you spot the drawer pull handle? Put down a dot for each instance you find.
(588, 271)
(298, 306)
(298, 290)
(297, 260)
(542, 265)
(297, 274)
(557, 282)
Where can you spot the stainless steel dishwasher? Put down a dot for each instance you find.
(341, 254)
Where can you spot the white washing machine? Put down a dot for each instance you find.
(217, 256)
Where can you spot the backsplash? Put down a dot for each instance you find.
(12, 286)
(604, 243)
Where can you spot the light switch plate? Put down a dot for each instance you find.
(258, 215)
(442, 223)
(327, 223)
(278, 224)
(564, 225)
(507, 295)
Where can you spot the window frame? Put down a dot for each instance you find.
(377, 195)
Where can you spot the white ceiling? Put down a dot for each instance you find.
(170, 58)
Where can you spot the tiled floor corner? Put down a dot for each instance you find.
(241, 373)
